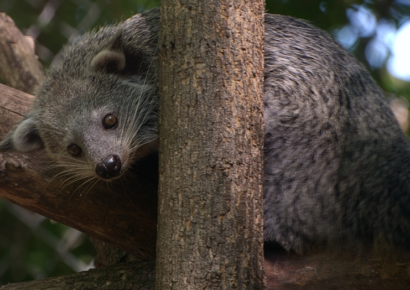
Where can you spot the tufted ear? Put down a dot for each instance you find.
(111, 59)
(23, 138)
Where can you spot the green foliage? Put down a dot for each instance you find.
(53, 23)
(332, 16)
(33, 247)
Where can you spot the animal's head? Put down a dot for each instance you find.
(96, 112)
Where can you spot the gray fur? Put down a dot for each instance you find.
(336, 161)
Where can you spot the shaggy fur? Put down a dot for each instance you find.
(336, 161)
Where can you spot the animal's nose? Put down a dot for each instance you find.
(110, 167)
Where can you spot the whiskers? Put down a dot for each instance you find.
(70, 175)
(140, 118)
(137, 113)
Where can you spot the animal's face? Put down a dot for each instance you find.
(93, 127)
(96, 126)
(95, 115)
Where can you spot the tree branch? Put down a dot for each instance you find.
(130, 276)
(17, 52)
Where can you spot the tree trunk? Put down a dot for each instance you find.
(211, 158)
(19, 65)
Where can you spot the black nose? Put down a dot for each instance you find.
(110, 167)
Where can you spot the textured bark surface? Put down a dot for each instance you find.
(13, 105)
(211, 128)
(129, 276)
(338, 271)
(17, 52)
(107, 255)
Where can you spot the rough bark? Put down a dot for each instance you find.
(17, 52)
(13, 105)
(130, 276)
(350, 271)
(211, 128)
(107, 254)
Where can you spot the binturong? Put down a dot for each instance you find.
(336, 161)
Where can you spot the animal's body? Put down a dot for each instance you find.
(336, 162)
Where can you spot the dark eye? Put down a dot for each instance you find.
(110, 121)
(74, 150)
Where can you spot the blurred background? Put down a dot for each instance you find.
(377, 32)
